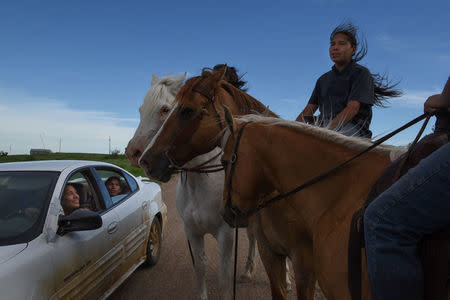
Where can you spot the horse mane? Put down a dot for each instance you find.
(245, 103)
(352, 142)
(164, 90)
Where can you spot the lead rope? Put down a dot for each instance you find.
(235, 259)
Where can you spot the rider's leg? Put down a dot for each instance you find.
(396, 221)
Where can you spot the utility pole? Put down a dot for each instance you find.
(42, 140)
(109, 144)
(60, 145)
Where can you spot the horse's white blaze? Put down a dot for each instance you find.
(158, 130)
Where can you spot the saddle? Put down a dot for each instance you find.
(435, 248)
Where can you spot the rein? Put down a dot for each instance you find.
(233, 159)
(201, 168)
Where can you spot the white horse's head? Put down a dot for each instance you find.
(153, 111)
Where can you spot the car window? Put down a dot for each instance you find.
(133, 184)
(80, 183)
(115, 183)
(24, 199)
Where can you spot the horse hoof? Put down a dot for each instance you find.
(288, 287)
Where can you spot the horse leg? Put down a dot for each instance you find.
(247, 275)
(225, 240)
(197, 244)
(275, 266)
(305, 279)
(288, 278)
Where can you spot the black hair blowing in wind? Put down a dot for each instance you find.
(383, 87)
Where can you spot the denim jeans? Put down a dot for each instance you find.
(396, 221)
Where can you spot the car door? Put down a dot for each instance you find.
(85, 262)
(131, 229)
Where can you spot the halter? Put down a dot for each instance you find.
(230, 207)
(189, 131)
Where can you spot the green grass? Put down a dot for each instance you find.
(118, 160)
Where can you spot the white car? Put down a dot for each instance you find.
(45, 254)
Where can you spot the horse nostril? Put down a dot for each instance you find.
(143, 163)
(137, 154)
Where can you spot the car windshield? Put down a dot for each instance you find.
(24, 199)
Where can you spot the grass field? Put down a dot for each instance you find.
(118, 160)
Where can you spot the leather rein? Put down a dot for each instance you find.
(238, 213)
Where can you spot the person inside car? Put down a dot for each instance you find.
(113, 186)
(70, 200)
(115, 189)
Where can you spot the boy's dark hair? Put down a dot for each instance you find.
(111, 179)
(383, 87)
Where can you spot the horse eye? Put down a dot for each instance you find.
(164, 109)
(186, 113)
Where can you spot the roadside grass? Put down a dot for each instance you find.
(118, 160)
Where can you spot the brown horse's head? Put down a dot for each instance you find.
(241, 196)
(194, 124)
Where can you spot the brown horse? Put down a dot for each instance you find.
(195, 126)
(311, 226)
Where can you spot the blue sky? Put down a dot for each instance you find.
(77, 71)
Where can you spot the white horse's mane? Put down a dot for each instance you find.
(162, 90)
(357, 143)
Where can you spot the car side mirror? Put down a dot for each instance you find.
(78, 220)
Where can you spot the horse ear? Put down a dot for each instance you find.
(229, 119)
(220, 73)
(155, 79)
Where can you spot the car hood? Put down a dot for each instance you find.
(8, 252)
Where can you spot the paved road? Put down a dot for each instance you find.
(174, 278)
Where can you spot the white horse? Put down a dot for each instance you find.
(198, 197)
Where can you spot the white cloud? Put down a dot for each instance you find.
(30, 122)
(413, 98)
(444, 58)
(388, 42)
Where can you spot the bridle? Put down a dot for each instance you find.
(229, 206)
(189, 131)
(239, 214)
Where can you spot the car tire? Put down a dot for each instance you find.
(154, 243)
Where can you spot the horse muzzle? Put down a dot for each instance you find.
(158, 168)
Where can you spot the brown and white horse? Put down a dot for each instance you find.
(198, 197)
(194, 125)
(311, 226)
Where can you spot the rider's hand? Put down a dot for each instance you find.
(434, 102)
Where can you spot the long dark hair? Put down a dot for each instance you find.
(383, 87)
(231, 75)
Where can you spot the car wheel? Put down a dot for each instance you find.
(154, 243)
